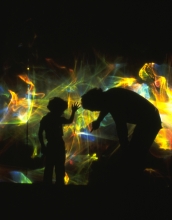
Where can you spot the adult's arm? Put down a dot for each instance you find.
(121, 127)
(102, 115)
(96, 123)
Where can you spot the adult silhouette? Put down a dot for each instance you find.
(126, 106)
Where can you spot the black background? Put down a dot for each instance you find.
(139, 31)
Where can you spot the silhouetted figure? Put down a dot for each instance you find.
(54, 151)
(126, 106)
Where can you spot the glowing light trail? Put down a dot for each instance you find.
(71, 85)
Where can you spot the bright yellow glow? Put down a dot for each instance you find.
(94, 157)
(66, 179)
(28, 104)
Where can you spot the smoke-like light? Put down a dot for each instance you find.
(23, 111)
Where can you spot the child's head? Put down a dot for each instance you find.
(57, 105)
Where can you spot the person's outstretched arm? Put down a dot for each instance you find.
(121, 127)
(96, 123)
(75, 107)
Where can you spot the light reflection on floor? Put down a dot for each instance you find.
(26, 176)
(18, 175)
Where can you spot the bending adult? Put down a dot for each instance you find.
(126, 106)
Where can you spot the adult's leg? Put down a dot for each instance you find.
(143, 137)
(145, 132)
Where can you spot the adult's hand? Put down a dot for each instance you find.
(95, 125)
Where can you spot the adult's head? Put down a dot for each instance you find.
(57, 105)
(92, 100)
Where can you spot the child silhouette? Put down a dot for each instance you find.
(54, 150)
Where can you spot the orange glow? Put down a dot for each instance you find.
(27, 106)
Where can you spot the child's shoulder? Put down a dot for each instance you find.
(46, 117)
(49, 116)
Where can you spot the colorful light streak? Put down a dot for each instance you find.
(19, 177)
(22, 112)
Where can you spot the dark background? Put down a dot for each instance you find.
(139, 31)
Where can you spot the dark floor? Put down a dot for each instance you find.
(145, 197)
(118, 201)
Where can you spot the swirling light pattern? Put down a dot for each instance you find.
(20, 113)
